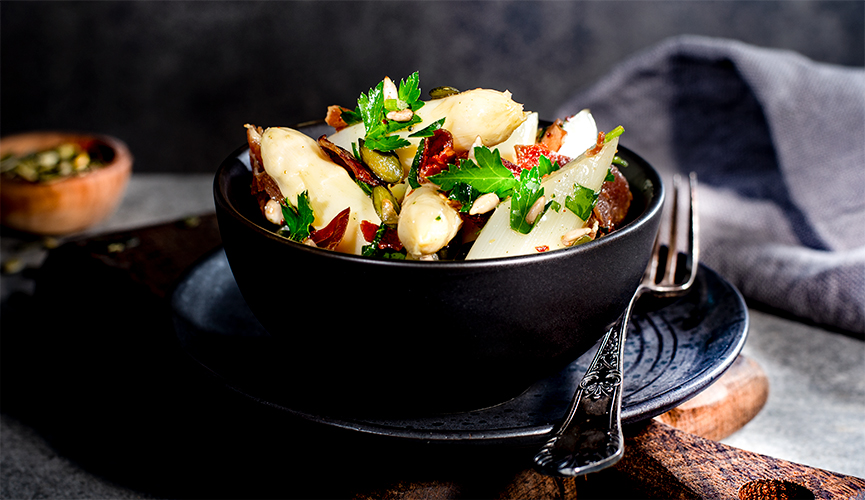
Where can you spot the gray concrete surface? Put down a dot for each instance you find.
(815, 414)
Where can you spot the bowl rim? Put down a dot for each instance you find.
(653, 209)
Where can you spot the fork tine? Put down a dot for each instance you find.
(650, 276)
(693, 230)
(672, 243)
(652, 269)
(670, 231)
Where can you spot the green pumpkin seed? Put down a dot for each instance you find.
(582, 240)
(385, 166)
(43, 166)
(386, 205)
(439, 92)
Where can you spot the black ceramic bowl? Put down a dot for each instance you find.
(365, 335)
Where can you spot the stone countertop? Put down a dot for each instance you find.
(815, 414)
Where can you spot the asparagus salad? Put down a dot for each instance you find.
(463, 175)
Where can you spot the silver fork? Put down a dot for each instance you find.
(590, 437)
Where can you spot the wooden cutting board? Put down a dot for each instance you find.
(675, 455)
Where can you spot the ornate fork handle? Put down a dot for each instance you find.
(590, 437)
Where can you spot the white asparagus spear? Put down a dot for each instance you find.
(497, 239)
(297, 164)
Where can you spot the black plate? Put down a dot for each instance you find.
(671, 354)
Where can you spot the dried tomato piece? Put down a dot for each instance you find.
(347, 161)
(263, 187)
(368, 229)
(389, 238)
(613, 202)
(330, 236)
(437, 154)
(599, 144)
(473, 223)
(334, 117)
(528, 156)
(554, 135)
(513, 167)
(253, 138)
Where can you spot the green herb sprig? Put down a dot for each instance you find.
(487, 174)
(297, 219)
(429, 129)
(372, 109)
(612, 134)
(525, 195)
(582, 201)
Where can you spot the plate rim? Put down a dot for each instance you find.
(530, 434)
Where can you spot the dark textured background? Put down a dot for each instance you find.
(177, 80)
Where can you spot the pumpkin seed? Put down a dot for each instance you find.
(439, 92)
(385, 166)
(65, 160)
(12, 266)
(386, 205)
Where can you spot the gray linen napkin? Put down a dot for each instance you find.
(778, 144)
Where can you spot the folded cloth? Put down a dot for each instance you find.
(778, 144)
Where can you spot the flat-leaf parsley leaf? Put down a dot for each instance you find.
(488, 175)
(429, 129)
(373, 109)
(525, 195)
(582, 202)
(297, 219)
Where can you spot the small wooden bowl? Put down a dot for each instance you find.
(66, 205)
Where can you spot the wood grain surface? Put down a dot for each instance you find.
(672, 456)
(725, 406)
